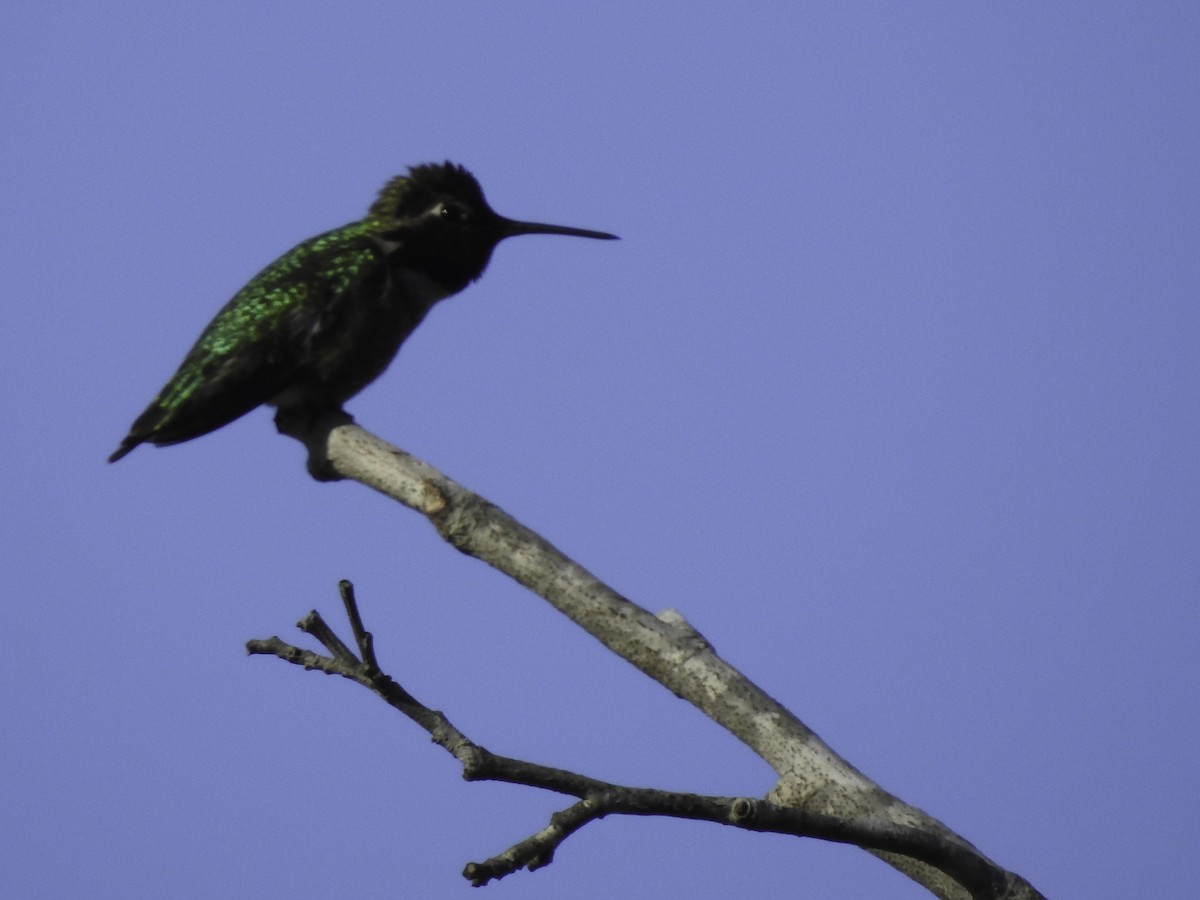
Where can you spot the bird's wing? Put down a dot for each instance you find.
(252, 349)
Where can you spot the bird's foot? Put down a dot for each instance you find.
(312, 428)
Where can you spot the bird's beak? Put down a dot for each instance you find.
(511, 228)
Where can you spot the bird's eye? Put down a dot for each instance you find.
(450, 212)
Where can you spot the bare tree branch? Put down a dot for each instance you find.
(813, 779)
(598, 799)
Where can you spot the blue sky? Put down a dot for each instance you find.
(890, 387)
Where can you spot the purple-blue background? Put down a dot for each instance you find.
(891, 387)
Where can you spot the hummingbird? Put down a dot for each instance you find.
(324, 320)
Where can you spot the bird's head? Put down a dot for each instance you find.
(439, 221)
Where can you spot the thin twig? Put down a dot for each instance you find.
(599, 798)
(362, 637)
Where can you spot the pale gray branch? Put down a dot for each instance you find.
(811, 776)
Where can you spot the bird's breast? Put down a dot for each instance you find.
(355, 341)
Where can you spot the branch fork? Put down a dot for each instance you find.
(818, 793)
(597, 798)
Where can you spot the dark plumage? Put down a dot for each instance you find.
(324, 320)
